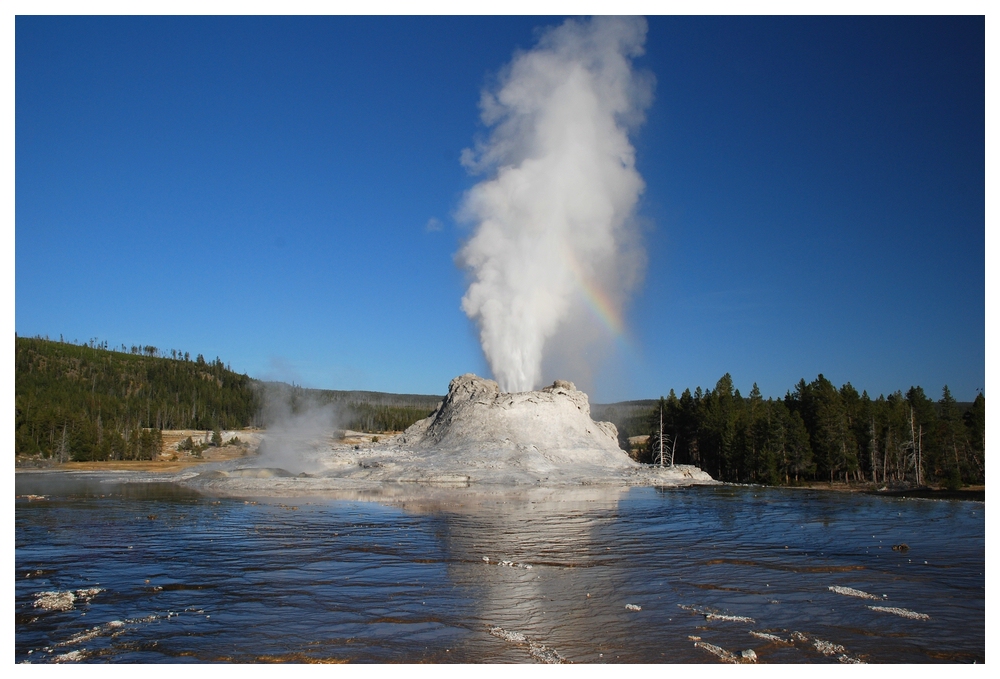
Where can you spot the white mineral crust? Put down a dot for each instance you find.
(476, 435)
(479, 426)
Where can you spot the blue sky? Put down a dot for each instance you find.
(260, 189)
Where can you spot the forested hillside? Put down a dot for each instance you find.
(819, 432)
(90, 403)
(630, 417)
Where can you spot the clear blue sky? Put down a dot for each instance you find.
(259, 189)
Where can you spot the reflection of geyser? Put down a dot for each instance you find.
(553, 531)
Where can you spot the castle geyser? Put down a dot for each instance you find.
(478, 434)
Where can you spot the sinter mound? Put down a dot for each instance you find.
(483, 435)
(476, 435)
(540, 429)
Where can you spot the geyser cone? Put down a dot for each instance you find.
(551, 428)
(477, 435)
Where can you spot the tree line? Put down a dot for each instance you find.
(86, 402)
(820, 433)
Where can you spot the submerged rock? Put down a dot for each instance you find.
(902, 612)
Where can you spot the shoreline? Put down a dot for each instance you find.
(166, 466)
(973, 493)
(170, 468)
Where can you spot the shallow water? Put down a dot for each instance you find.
(713, 570)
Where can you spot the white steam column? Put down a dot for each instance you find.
(555, 217)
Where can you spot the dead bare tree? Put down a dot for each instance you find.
(62, 446)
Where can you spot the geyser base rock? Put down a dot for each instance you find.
(479, 426)
(477, 435)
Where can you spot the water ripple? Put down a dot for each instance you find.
(594, 576)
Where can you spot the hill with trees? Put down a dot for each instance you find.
(367, 411)
(86, 402)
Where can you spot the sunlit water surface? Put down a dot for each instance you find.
(158, 573)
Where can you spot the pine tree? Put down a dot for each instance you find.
(975, 427)
(950, 436)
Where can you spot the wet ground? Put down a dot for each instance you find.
(158, 573)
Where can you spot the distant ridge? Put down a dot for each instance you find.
(370, 411)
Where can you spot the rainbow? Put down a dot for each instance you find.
(596, 299)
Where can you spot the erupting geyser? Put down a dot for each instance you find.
(552, 258)
(555, 243)
(482, 434)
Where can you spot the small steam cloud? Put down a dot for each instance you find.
(298, 427)
(555, 244)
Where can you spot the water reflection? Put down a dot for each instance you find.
(529, 557)
(84, 485)
(399, 575)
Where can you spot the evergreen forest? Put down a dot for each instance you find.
(86, 402)
(365, 411)
(816, 433)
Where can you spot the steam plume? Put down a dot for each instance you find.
(298, 428)
(554, 219)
